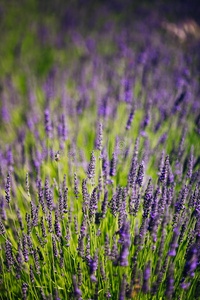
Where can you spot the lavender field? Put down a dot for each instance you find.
(99, 150)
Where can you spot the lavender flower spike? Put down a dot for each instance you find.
(100, 137)
(130, 119)
(8, 188)
(113, 165)
(47, 123)
(2, 228)
(76, 190)
(146, 276)
(91, 167)
(77, 291)
(24, 290)
(164, 173)
(140, 174)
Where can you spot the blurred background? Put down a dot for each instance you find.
(37, 35)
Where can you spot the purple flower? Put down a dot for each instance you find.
(100, 186)
(32, 209)
(63, 128)
(164, 173)
(30, 244)
(42, 294)
(98, 232)
(24, 290)
(25, 248)
(142, 231)
(113, 165)
(93, 204)
(114, 250)
(36, 261)
(146, 277)
(40, 240)
(113, 203)
(85, 195)
(27, 184)
(40, 254)
(191, 263)
(65, 204)
(36, 216)
(9, 255)
(107, 248)
(148, 197)
(130, 119)
(127, 90)
(107, 295)
(5, 112)
(87, 250)
(43, 227)
(3, 211)
(77, 291)
(31, 274)
(170, 282)
(185, 286)
(93, 266)
(103, 274)
(91, 167)
(61, 203)
(173, 244)
(180, 204)
(105, 166)
(154, 212)
(122, 288)
(190, 163)
(100, 138)
(57, 224)
(56, 294)
(8, 189)
(140, 174)
(162, 202)
(2, 228)
(80, 275)
(123, 256)
(147, 115)
(19, 261)
(132, 171)
(76, 190)
(47, 123)
(41, 196)
(104, 204)
(55, 249)
(47, 195)
(136, 206)
(83, 226)
(161, 162)
(75, 225)
(125, 241)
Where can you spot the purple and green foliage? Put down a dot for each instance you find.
(99, 156)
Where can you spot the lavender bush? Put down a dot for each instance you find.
(99, 156)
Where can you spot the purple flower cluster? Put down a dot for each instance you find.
(125, 225)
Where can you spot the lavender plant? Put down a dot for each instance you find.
(99, 159)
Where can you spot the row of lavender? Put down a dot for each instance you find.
(147, 234)
(99, 173)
